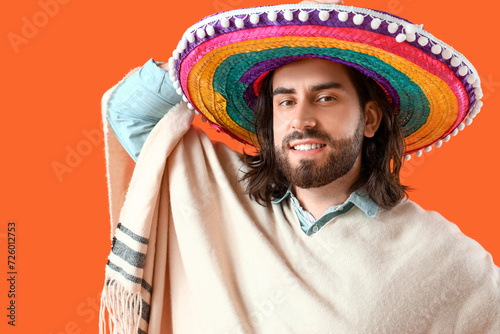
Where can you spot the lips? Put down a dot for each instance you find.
(307, 147)
(306, 143)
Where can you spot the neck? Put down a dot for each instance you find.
(317, 200)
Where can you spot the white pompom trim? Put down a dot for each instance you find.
(288, 15)
(392, 27)
(210, 30)
(400, 38)
(303, 16)
(358, 19)
(375, 24)
(324, 15)
(272, 16)
(423, 41)
(239, 23)
(343, 16)
(225, 22)
(254, 18)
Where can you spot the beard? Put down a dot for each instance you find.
(308, 174)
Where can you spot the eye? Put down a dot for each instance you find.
(286, 103)
(327, 98)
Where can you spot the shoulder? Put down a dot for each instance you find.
(409, 209)
(430, 235)
(408, 215)
(441, 240)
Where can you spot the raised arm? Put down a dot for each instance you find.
(142, 99)
(138, 103)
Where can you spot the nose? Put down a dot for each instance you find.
(303, 118)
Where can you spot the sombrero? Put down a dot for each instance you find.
(219, 62)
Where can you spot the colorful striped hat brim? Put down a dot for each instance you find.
(220, 61)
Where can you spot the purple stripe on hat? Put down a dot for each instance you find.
(249, 96)
(254, 72)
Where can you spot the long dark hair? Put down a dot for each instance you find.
(381, 157)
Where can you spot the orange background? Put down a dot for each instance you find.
(52, 83)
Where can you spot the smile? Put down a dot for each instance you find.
(307, 147)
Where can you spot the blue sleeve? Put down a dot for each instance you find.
(138, 103)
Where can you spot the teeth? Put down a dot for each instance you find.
(307, 147)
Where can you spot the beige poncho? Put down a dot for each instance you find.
(193, 254)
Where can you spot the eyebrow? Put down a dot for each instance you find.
(323, 86)
(327, 85)
(283, 90)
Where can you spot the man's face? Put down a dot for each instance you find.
(317, 120)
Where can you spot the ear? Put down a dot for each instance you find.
(373, 117)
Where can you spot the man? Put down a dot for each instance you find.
(312, 234)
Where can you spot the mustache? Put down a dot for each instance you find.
(308, 133)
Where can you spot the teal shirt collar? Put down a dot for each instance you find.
(310, 226)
